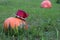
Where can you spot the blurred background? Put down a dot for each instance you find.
(44, 24)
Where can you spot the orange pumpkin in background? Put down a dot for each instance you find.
(46, 4)
(12, 25)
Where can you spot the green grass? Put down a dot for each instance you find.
(40, 19)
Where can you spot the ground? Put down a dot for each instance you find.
(44, 24)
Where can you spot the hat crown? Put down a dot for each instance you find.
(22, 14)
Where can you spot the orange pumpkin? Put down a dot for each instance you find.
(46, 4)
(14, 23)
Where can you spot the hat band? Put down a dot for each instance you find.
(20, 17)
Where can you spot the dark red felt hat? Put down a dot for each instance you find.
(22, 14)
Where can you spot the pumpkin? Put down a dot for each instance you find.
(46, 4)
(14, 25)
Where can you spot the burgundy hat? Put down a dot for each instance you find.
(22, 14)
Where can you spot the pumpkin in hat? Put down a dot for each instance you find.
(46, 4)
(13, 24)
